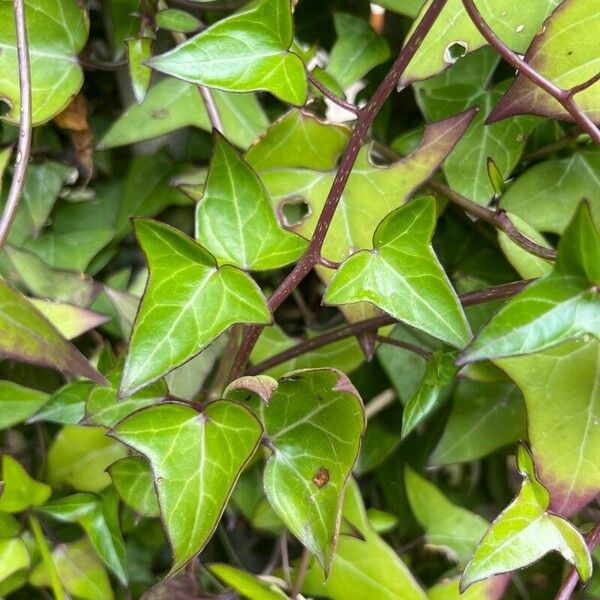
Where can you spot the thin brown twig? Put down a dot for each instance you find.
(24, 145)
(365, 118)
(329, 94)
(569, 584)
(499, 292)
(207, 96)
(564, 97)
(405, 345)
(300, 574)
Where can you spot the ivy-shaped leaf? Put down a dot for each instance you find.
(561, 387)
(356, 51)
(27, 336)
(172, 104)
(244, 52)
(235, 220)
(196, 458)
(188, 302)
(19, 491)
(524, 532)
(99, 518)
(66, 406)
(57, 31)
(566, 52)
(314, 422)
(132, 478)
(353, 224)
(547, 195)
(403, 276)
(453, 34)
(560, 306)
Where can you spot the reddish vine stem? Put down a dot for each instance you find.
(366, 115)
(329, 94)
(569, 584)
(24, 145)
(498, 292)
(564, 97)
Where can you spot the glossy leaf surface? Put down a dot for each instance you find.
(196, 459)
(524, 532)
(403, 265)
(185, 291)
(554, 54)
(57, 31)
(234, 218)
(221, 56)
(314, 422)
(562, 305)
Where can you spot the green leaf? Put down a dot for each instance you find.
(79, 456)
(103, 408)
(172, 104)
(344, 354)
(362, 569)
(453, 529)
(561, 387)
(244, 52)
(403, 277)
(70, 321)
(57, 31)
(19, 491)
(299, 139)
(196, 458)
(524, 532)
(42, 280)
(174, 19)
(466, 167)
(356, 51)
(454, 34)
(132, 479)
(352, 227)
(188, 302)
(484, 417)
(13, 557)
(43, 183)
(234, 219)
(561, 306)
(554, 55)
(99, 518)
(66, 406)
(9, 526)
(27, 336)
(250, 586)
(80, 571)
(432, 391)
(547, 195)
(139, 50)
(18, 403)
(314, 422)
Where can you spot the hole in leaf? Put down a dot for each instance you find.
(294, 210)
(454, 51)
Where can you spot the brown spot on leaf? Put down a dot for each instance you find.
(321, 477)
(159, 113)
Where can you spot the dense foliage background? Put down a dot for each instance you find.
(299, 299)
